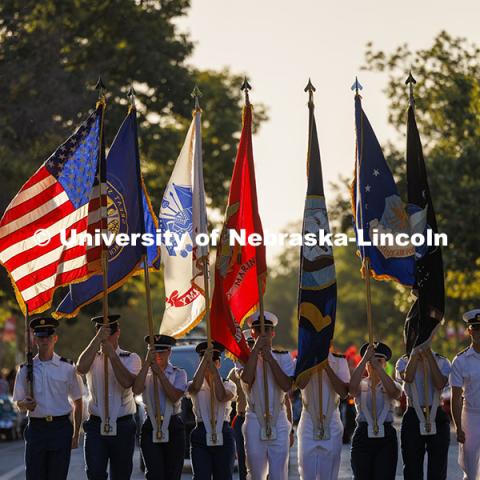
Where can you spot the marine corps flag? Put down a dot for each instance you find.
(317, 295)
(128, 212)
(239, 266)
(378, 209)
(427, 311)
(183, 216)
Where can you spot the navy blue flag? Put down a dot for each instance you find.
(317, 295)
(426, 313)
(129, 211)
(378, 209)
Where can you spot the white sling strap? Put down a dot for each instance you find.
(431, 428)
(164, 437)
(204, 407)
(259, 408)
(365, 387)
(313, 407)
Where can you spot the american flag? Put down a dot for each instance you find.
(55, 199)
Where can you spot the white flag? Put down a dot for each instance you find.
(182, 218)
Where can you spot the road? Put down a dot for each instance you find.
(12, 468)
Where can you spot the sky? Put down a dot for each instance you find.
(279, 44)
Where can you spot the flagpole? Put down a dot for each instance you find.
(196, 94)
(148, 299)
(268, 429)
(311, 106)
(28, 354)
(410, 81)
(368, 295)
(107, 428)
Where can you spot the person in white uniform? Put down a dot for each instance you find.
(425, 425)
(266, 438)
(374, 452)
(212, 440)
(49, 435)
(162, 445)
(465, 383)
(114, 445)
(320, 442)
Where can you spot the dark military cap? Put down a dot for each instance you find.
(381, 350)
(218, 348)
(472, 317)
(112, 322)
(161, 342)
(44, 326)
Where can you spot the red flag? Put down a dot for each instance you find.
(239, 265)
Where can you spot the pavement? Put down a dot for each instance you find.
(12, 465)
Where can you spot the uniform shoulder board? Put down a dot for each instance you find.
(438, 355)
(338, 355)
(404, 356)
(463, 351)
(125, 354)
(67, 360)
(280, 351)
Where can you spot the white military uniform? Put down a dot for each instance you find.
(320, 459)
(178, 378)
(466, 375)
(415, 391)
(54, 382)
(121, 401)
(267, 456)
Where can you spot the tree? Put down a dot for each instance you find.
(51, 54)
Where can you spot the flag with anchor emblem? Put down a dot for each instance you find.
(317, 296)
(182, 219)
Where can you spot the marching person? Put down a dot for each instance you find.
(374, 450)
(425, 425)
(320, 443)
(465, 382)
(241, 405)
(162, 450)
(117, 444)
(266, 439)
(212, 446)
(49, 436)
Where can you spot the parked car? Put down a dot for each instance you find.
(10, 420)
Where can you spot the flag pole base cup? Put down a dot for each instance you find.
(268, 433)
(214, 439)
(321, 433)
(108, 429)
(158, 436)
(432, 430)
(380, 433)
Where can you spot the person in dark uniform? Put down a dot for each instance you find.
(374, 452)
(212, 442)
(50, 435)
(425, 425)
(115, 444)
(162, 445)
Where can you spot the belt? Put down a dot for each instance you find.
(119, 419)
(49, 418)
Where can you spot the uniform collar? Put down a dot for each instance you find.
(55, 359)
(471, 351)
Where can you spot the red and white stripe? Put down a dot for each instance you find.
(42, 204)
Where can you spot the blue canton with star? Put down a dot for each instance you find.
(74, 163)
